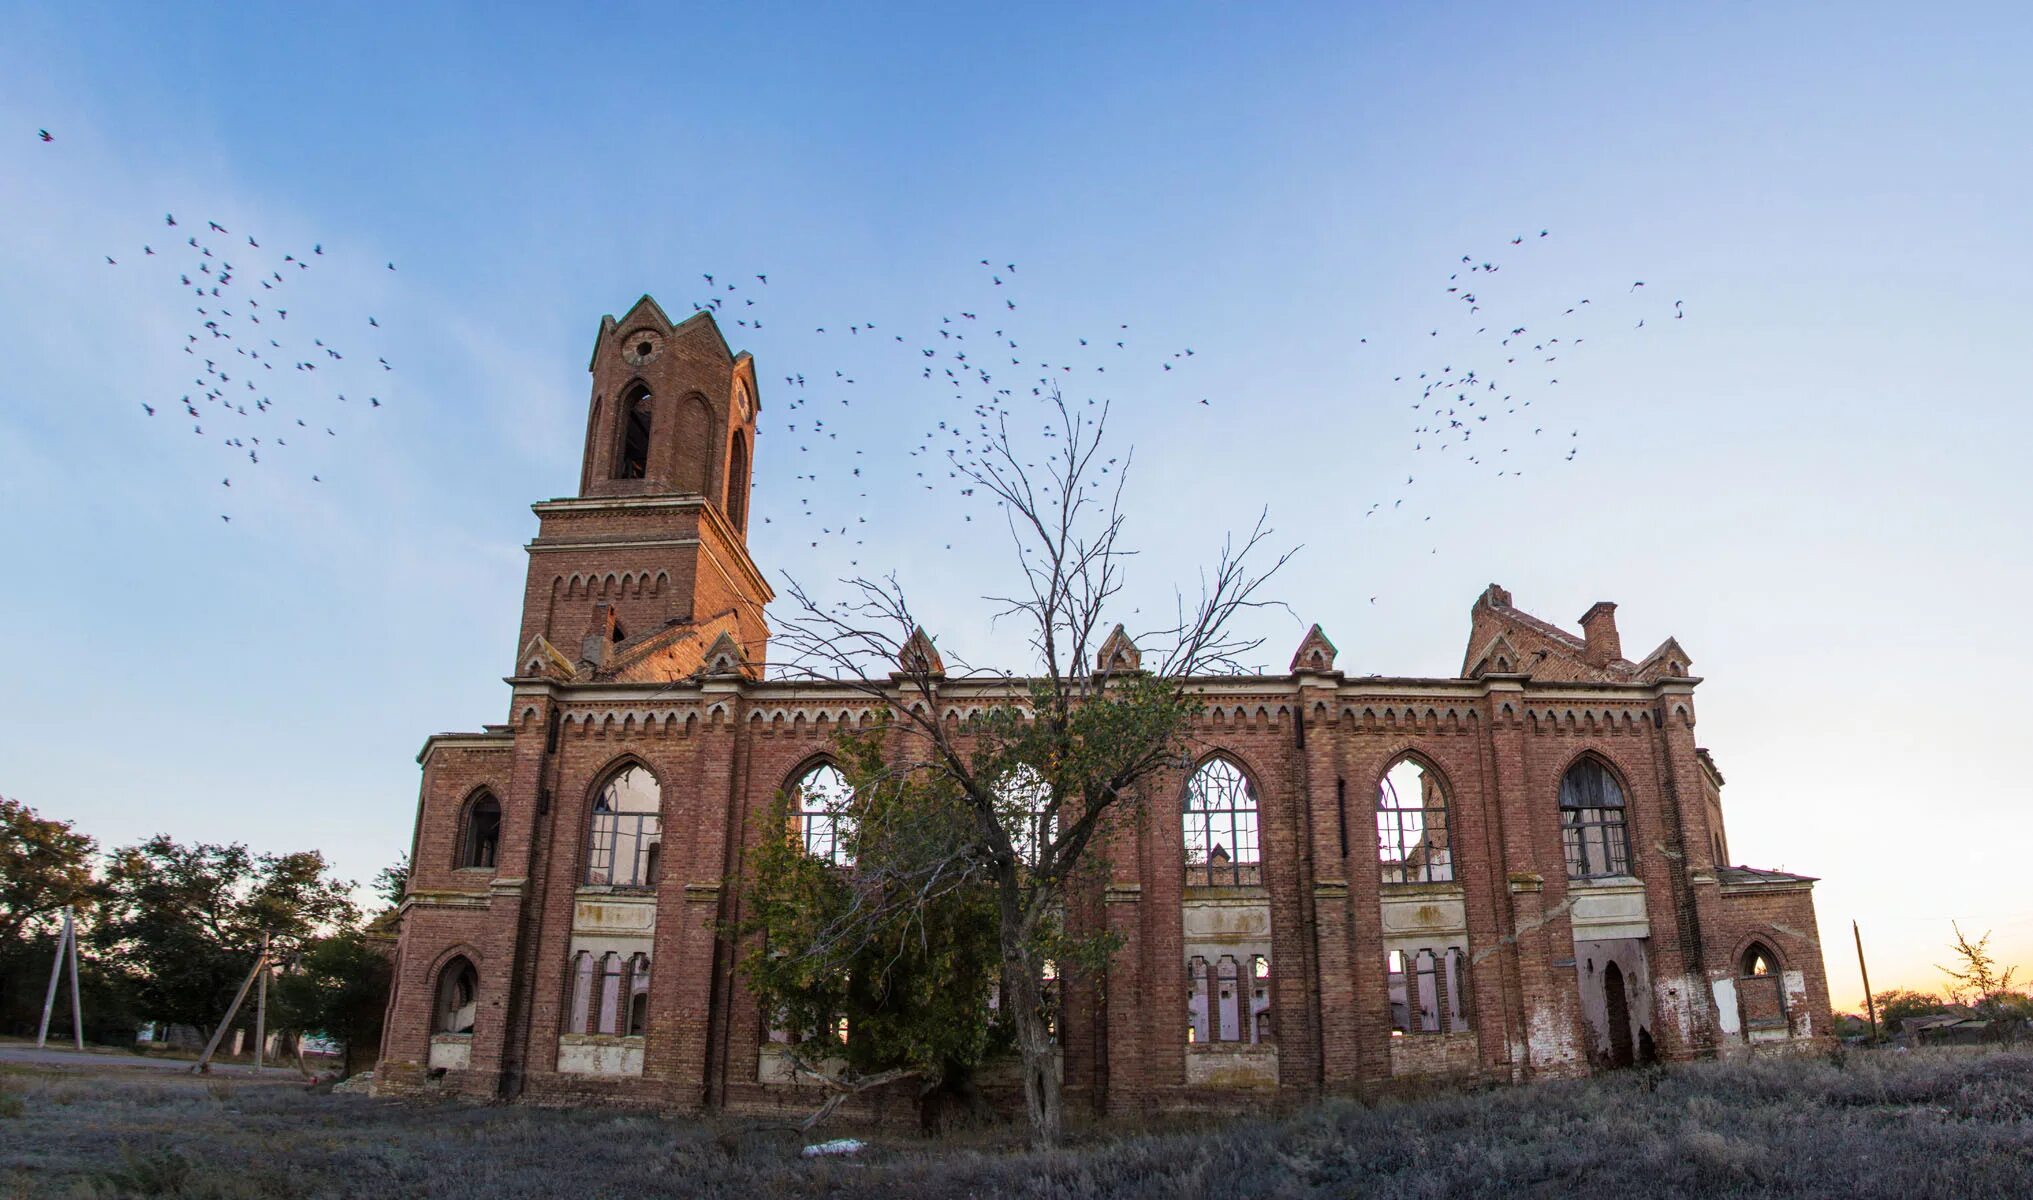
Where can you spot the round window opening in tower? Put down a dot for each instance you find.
(643, 349)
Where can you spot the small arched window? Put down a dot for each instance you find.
(627, 830)
(480, 840)
(737, 485)
(457, 1002)
(824, 823)
(1761, 993)
(636, 409)
(1592, 821)
(1412, 837)
(1220, 817)
(1759, 962)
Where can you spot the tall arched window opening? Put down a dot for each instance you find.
(638, 995)
(1024, 806)
(636, 410)
(824, 823)
(1220, 816)
(480, 840)
(1412, 835)
(458, 997)
(1592, 821)
(737, 484)
(627, 831)
(1761, 991)
(583, 967)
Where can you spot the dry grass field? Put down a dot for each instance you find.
(1891, 1124)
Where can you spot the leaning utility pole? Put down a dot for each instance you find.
(66, 944)
(204, 1062)
(1870, 1003)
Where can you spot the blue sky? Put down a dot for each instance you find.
(1814, 481)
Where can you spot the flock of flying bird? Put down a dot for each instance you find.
(1471, 393)
(976, 364)
(261, 387)
(256, 377)
(249, 363)
(1463, 391)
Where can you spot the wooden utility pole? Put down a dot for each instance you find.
(204, 1062)
(66, 945)
(261, 1008)
(1870, 1003)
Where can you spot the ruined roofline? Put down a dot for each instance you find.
(960, 688)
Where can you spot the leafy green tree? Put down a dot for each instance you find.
(392, 883)
(878, 944)
(1047, 765)
(1898, 1004)
(44, 865)
(189, 919)
(337, 987)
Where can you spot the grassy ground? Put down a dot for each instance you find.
(1882, 1124)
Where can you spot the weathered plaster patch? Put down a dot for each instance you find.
(1726, 1006)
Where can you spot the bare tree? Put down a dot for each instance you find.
(1046, 757)
(1980, 980)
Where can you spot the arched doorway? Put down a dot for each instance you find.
(1617, 1014)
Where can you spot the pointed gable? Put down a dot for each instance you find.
(1315, 653)
(1669, 661)
(1118, 653)
(647, 313)
(724, 657)
(1499, 657)
(541, 660)
(919, 656)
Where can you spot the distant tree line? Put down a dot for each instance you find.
(168, 931)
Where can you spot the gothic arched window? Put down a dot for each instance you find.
(824, 823)
(627, 830)
(458, 997)
(1759, 962)
(1761, 991)
(480, 836)
(1592, 821)
(1220, 817)
(635, 416)
(1412, 841)
(737, 485)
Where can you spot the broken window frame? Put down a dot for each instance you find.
(825, 827)
(1592, 830)
(1413, 843)
(1029, 816)
(622, 832)
(1221, 826)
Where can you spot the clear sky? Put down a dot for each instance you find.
(1815, 480)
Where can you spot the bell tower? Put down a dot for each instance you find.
(642, 572)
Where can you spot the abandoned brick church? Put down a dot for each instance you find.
(1518, 871)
